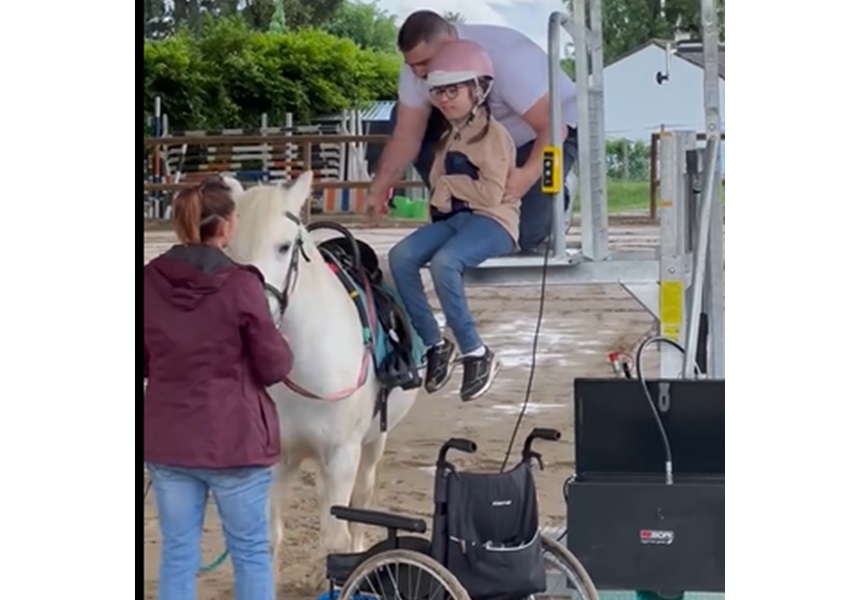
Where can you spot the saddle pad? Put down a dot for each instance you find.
(383, 342)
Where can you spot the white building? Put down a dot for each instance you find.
(643, 97)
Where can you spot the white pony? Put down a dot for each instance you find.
(331, 418)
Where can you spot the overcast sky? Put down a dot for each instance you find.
(528, 16)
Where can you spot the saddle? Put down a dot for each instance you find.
(398, 353)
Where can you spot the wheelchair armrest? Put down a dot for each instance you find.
(379, 519)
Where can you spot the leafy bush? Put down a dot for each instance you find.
(229, 75)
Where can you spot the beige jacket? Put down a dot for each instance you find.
(495, 156)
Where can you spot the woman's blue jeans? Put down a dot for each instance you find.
(242, 500)
(462, 241)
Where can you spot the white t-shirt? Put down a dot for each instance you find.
(522, 78)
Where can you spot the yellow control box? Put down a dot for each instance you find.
(552, 180)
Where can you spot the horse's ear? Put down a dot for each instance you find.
(302, 189)
(234, 185)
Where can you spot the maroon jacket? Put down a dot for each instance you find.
(210, 350)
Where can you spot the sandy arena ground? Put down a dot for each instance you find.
(582, 324)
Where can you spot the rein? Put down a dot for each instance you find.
(282, 297)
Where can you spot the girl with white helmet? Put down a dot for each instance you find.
(474, 218)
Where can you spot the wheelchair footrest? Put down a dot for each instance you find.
(380, 519)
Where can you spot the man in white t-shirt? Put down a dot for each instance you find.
(519, 100)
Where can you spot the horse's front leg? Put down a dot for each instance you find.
(338, 471)
(284, 473)
(364, 487)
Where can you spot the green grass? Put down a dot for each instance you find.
(628, 196)
(631, 197)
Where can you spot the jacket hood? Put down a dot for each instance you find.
(185, 275)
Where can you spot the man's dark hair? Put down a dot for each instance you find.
(421, 26)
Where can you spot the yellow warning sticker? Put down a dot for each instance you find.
(672, 309)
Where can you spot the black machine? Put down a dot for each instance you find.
(630, 527)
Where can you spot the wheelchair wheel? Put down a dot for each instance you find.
(402, 575)
(568, 578)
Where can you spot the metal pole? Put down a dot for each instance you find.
(559, 228)
(700, 259)
(715, 271)
(709, 210)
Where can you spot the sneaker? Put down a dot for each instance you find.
(441, 362)
(478, 374)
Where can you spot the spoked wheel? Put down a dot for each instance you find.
(402, 575)
(568, 579)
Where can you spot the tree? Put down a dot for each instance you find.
(315, 13)
(626, 24)
(165, 17)
(278, 21)
(157, 19)
(454, 17)
(365, 24)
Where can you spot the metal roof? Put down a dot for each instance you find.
(689, 51)
(377, 111)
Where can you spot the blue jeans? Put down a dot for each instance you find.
(242, 500)
(461, 241)
(535, 221)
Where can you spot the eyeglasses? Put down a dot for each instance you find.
(449, 91)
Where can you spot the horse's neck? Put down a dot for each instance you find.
(323, 328)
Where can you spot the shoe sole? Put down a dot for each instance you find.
(497, 366)
(449, 372)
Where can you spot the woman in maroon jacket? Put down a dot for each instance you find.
(210, 350)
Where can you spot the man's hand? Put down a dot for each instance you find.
(520, 181)
(377, 207)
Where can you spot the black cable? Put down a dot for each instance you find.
(668, 465)
(533, 366)
(567, 482)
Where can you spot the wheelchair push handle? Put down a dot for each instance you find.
(459, 444)
(538, 433)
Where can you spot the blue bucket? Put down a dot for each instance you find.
(335, 594)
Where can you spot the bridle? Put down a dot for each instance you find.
(282, 295)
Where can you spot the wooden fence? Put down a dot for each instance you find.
(267, 156)
(654, 178)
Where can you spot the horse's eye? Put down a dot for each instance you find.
(284, 248)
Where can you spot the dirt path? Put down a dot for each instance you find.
(581, 325)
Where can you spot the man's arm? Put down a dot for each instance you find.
(402, 147)
(537, 118)
(413, 109)
(524, 86)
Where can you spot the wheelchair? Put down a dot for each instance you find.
(485, 542)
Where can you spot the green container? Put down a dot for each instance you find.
(407, 208)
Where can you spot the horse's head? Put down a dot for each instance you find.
(269, 234)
